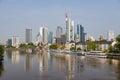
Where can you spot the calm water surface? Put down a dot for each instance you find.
(44, 66)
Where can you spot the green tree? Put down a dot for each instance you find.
(1, 52)
(62, 47)
(29, 45)
(72, 48)
(53, 46)
(79, 48)
(116, 47)
(92, 46)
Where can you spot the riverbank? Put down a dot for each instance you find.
(113, 55)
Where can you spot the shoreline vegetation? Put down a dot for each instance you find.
(1, 53)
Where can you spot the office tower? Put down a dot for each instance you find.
(80, 32)
(38, 39)
(9, 42)
(63, 39)
(69, 29)
(50, 37)
(28, 35)
(15, 41)
(59, 32)
(44, 35)
(111, 36)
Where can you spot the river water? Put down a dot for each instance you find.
(45, 66)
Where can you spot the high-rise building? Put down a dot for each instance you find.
(28, 35)
(15, 41)
(111, 35)
(9, 42)
(59, 32)
(50, 37)
(38, 39)
(69, 29)
(44, 35)
(80, 32)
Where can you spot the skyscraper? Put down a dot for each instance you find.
(50, 37)
(44, 35)
(15, 41)
(59, 32)
(80, 33)
(28, 35)
(69, 29)
(111, 35)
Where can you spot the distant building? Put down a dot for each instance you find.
(63, 39)
(111, 35)
(44, 35)
(50, 37)
(9, 42)
(15, 41)
(28, 35)
(101, 38)
(59, 32)
(38, 39)
(80, 32)
(69, 29)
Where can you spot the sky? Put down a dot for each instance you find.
(97, 16)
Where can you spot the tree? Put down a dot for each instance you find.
(79, 48)
(116, 47)
(118, 38)
(72, 48)
(53, 46)
(92, 46)
(29, 45)
(62, 47)
(1, 52)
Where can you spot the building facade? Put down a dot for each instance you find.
(28, 35)
(111, 35)
(44, 35)
(80, 32)
(15, 41)
(9, 42)
(59, 32)
(69, 29)
(50, 37)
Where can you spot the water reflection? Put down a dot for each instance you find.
(1, 68)
(70, 67)
(15, 56)
(42, 66)
(28, 62)
(43, 61)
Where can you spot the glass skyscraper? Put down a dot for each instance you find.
(28, 37)
(80, 33)
(50, 37)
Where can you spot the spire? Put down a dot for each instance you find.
(66, 16)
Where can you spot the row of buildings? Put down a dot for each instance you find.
(45, 36)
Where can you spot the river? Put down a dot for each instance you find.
(45, 66)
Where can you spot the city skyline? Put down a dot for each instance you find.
(97, 17)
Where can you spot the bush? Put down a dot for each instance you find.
(78, 48)
(53, 46)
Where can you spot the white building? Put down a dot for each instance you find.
(69, 29)
(111, 35)
(44, 35)
(15, 41)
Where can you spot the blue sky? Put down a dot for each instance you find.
(97, 16)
